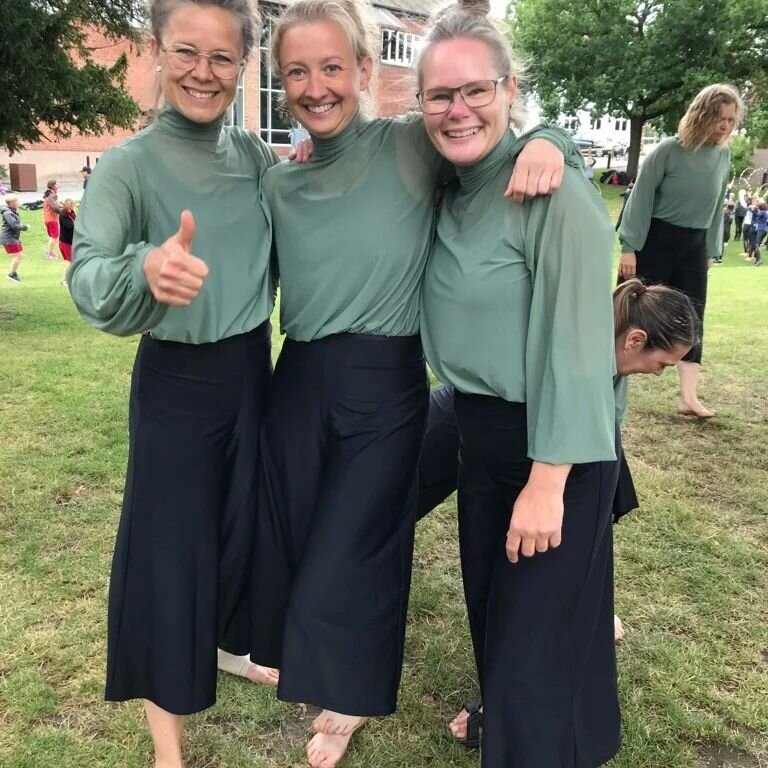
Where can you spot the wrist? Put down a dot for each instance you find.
(549, 477)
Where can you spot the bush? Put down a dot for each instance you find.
(742, 149)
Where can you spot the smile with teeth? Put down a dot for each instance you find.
(319, 109)
(462, 134)
(200, 94)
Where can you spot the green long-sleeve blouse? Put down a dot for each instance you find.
(516, 303)
(685, 187)
(133, 203)
(353, 227)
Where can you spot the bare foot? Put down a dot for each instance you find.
(618, 630)
(335, 724)
(242, 666)
(458, 726)
(695, 408)
(263, 675)
(324, 751)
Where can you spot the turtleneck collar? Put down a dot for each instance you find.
(327, 149)
(472, 177)
(171, 121)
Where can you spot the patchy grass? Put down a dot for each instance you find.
(691, 572)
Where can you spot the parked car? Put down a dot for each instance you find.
(589, 147)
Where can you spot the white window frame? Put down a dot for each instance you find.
(237, 108)
(275, 136)
(398, 48)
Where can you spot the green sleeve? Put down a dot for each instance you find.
(636, 219)
(106, 279)
(555, 136)
(569, 359)
(715, 229)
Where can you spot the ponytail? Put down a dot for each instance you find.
(666, 315)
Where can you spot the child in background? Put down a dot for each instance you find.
(10, 234)
(66, 232)
(51, 211)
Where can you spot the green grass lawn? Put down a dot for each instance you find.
(691, 570)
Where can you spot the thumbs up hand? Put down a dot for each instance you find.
(174, 275)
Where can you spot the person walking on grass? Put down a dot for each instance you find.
(10, 234)
(673, 222)
(51, 211)
(67, 219)
(172, 242)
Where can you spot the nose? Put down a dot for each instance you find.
(202, 69)
(315, 86)
(458, 108)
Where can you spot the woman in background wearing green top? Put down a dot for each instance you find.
(172, 239)
(673, 224)
(352, 230)
(517, 316)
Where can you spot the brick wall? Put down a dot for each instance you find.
(392, 89)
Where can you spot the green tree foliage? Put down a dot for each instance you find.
(639, 59)
(742, 148)
(49, 83)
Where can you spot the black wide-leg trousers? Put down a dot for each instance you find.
(542, 629)
(181, 570)
(677, 256)
(335, 533)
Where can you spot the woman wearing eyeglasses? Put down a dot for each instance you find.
(172, 240)
(517, 317)
(341, 441)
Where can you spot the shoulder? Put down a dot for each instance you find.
(250, 141)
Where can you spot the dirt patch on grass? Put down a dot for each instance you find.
(72, 495)
(6, 315)
(723, 756)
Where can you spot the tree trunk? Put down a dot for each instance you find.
(635, 145)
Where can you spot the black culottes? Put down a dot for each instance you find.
(334, 543)
(181, 570)
(542, 629)
(677, 256)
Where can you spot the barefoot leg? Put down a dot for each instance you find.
(336, 724)
(166, 730)
(689, 403)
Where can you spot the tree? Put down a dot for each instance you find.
(639, 59)
(49, 83)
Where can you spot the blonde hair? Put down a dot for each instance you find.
(696, 126)
(69, 201)
(353, 16)
(469, 22)
(11, 199)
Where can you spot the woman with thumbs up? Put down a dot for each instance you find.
(172, 242)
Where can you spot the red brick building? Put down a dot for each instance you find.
(257, 106)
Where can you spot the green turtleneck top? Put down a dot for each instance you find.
(681, 186)
(353, 227)
(516, 304)
(133, 203)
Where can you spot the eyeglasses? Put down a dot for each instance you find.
(480, 93)
(185, 59)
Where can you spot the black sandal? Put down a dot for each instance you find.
(474, 724)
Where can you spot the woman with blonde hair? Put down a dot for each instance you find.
(672, 224)
(352, 232)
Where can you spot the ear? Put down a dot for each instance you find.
(635, 339)
(154, 47)
(510, 88)
(366, 70)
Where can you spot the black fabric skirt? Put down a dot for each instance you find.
(542, 629)
(181, 570)
(335, 533)
(677, 256)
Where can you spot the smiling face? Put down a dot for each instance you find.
(322, 79)
(199, 94)
(464, 135)
(632, 355)
(724, 124)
